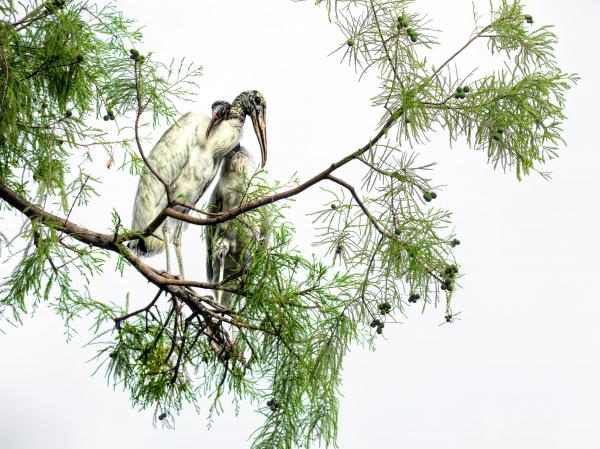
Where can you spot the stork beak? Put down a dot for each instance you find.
(260, 128)
(218, 116)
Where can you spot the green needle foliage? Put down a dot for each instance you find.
(70, 73)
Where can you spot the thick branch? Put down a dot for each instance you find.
(84, 235)
(175, 287)
(232, 213)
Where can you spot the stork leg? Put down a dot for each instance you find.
(221, 272)
(177, 244)
(221, 255)
(167, 240)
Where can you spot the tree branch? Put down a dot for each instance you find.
(118, 320)
(138, 140)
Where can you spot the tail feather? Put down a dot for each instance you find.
(148, 246)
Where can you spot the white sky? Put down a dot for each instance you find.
(521, 367)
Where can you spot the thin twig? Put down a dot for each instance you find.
(118, 320)
(138, 140)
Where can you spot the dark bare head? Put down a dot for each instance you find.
(253, 104)
(249, 103)
(220, 112)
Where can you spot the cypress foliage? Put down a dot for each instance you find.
(67, 65)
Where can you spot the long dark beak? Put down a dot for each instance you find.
(260, 128)
(219, 114)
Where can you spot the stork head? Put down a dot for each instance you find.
(220, 110)
(253, 104)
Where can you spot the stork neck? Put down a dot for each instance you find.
(237, 112)
(225, 138)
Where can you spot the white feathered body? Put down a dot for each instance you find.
(224, 245)
(189, 162)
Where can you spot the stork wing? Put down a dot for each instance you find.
(168, 157)
(215, 205)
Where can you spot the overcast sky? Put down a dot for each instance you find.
(520, 369)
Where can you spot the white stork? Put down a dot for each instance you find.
(226, 253)
(187, 156)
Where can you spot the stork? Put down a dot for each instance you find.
(187, 156)
(226, 253)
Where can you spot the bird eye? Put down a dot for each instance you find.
(257, 100)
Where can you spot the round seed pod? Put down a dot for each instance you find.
(106, 118)
(350, 42)
(385, 307)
